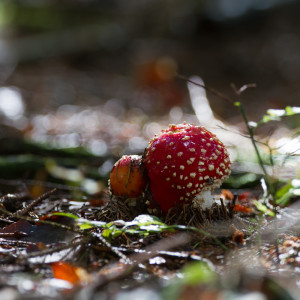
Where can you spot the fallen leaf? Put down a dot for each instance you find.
(242, 208)
(65, 271)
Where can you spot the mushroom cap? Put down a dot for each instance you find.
(182, 162)
(128, 178)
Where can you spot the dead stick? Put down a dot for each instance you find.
(136, 259)
(22, 212)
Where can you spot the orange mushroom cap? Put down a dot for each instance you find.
(128, 177)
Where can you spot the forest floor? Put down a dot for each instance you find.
(63, 236)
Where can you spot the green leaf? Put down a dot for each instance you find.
(147, 219)
(193, 274)
(85, 226)
(107, 233)
(278, 114)
(151, 228)
(264, 209)
(116, 233)
(284, 189)
(284, 200)
(69, 215)
(285, 193)
(198, 272)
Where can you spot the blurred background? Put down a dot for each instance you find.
(101, 74)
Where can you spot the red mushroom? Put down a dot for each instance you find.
(128, 177)
(184, 164)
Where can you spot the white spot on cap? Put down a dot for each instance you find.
(206, 177)
(171, 144)
(193, 175)
(201, 170)
(214, 156)
(168, 179)
(179, 187)
(218, 152)
(174, 174)
(158, 162)
(169, 156)
(153, 148)
(203, 150)
(201, 163)
(211, 167)
(181, 167)
(165, 167)
(179, 154)
(190, 161)
(192, 150)
(185, 138)
(200, 178)
(208, 144)
(188, 194)
(181, 177)
(185, 178)
(189, 185)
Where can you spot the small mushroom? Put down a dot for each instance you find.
(128, 177)
(184, 164)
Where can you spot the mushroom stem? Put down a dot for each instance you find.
(131, 202)
(204, 200)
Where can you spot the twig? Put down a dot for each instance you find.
(164, 244)
(243, 88)
(50, 251)
(29, 219)
(209, 89)
(25, 210)
(17, 234)
(99, 236)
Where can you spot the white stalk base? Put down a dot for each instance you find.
(131, 202)
(204, 200)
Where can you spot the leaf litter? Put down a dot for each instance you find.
(78, 243)
(70, 243)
